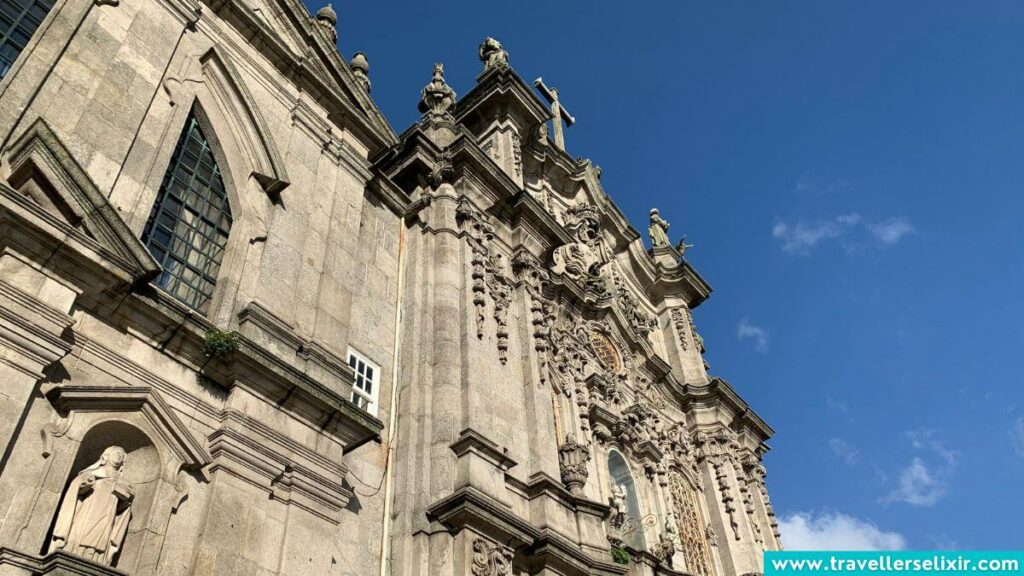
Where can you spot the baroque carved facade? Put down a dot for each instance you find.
(246, 328)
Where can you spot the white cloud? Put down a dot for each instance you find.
(891, 231)
(760, 335)
(835, 531)
(799, 238)
(918, 485)
(845, 450)
(925, 479)
(1017, 436)
(802, 236)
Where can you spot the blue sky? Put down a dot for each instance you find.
(851, 175)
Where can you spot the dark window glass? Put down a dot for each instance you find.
(18, 21)
(191, 218)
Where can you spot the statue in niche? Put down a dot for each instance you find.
(658, 229)
(94, 514)
(618, 505)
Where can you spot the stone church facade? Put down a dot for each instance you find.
(247, 328)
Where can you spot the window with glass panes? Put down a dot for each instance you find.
(364, 390)
(18, 21)
(188, 227)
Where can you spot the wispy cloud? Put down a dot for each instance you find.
(917, 485)
(802, 236)
(758, 334)
(835, 531)
(845, 450)
(1017, 436)
(891, 231)
(925, 479)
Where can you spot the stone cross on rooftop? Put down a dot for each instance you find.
(558, 112)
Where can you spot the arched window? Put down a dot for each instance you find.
(18, 22)
(188, 227)
(619, 473)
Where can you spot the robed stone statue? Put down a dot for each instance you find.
(95, 511)
(658, 229)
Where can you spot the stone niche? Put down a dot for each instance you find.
(161, 460)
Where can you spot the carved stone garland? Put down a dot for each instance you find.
(715, 450)
(748, 502)
(490, 559)
(527, 270)
(640, 320)
(756, 474)
(489, 276)
(572, 462)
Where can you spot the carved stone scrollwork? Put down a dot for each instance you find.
(499, 285)
(716, 449)
(697, 339)
(490, 559)
(680, 323)
(528, 270)
(480, 234)
(572, 462)
(640, 320)
(581, 260)
(756, 474)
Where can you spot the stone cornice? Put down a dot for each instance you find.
(718, 392)
(470, 440)
(254, 367)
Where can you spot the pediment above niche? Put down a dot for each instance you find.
(84, 402)
(44, 172)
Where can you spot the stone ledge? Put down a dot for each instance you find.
(57, 563)
(472, 441)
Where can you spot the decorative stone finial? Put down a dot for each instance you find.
(361, 69)
(437, 97)
(492, 54)
(328, 20)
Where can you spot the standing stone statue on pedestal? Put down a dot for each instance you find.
(658, 229)
(95, 511)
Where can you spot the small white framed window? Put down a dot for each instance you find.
(367, 383)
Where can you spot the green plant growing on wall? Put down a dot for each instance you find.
(219, 343)
(620, 555)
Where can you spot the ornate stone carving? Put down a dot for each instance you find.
(492, 54)
(756, 474)
(748, 502)
(95, 511)
(528, 270)
(716, 449)
(489, 274)
(697, 340)
(490, 559)
(640, 320)
(658, 229)
(681, 324)
(712, 538)
(499, 286)
(361, 69)
(327, 18)
(581, 260)
(572, 463)
(437, 97)
(517, 154)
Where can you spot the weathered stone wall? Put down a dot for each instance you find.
(309, 271)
